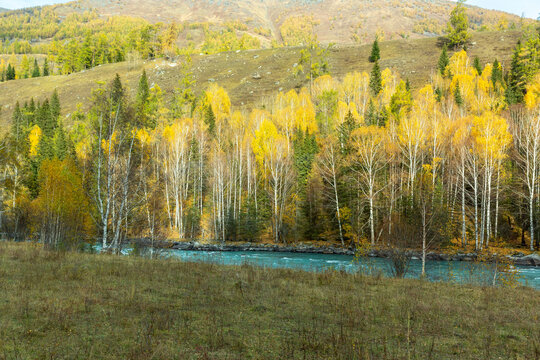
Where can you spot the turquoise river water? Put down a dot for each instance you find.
(450, 271)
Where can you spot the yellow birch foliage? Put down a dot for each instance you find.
(532, 97)
(219, 100)
(34, 137)
(491, 134)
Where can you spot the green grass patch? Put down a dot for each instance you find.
(57, 305)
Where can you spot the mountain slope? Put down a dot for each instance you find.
(339, 21)
(237, 71)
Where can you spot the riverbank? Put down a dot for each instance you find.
(517, 258)
(72, 305)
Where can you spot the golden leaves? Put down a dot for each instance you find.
(34, 137)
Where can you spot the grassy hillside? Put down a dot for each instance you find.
(341, 21)
(412, 59)
(68, 305)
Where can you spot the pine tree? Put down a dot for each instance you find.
(375, 52)
(141, 103)
(35, 72)
(444, 61)
(477, 66)
(346, 129)
(372, 115)
(45, 120)
(55, 106)
(117, 92)
(60, 144)
(46, 67)
(10, 73)
(509, 96)
(375, 80)
(16, 124)
(438, 94)
(143, 92)
(458, 98)
(210, 119)
(458, 26)
(496, 73)
(86, 55)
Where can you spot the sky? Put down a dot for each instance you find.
(531, 8)
(17, 4)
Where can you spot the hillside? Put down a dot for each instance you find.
(339, 21)
(412, 59)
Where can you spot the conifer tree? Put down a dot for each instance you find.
(10, 73)
(375, 80)
(16, 124)
(477, 65)
(60, 144)
(143, 92)
(86, 54)
(444, 61)
(46, 67)
(35, 72)
(458, 98)
(141, 103)
(117, 91)
(55, 106)
(210, 119)
(496, 73)
(375, 52)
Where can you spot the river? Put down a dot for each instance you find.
(450, 271)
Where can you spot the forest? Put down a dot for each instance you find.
(353, 161)
(85, 40)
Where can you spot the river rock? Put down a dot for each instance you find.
(529, 260)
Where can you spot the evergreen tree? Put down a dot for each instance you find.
(345, 131)
(438, 94)
(30, 113)
(477, 65)
(143, 92)
(55, 107)
(117, 92)
(45, 120)
(86, 53)
(458, 26)
(444, 61)
(60, 144)
(46, 67)
(10, 73)
(375, 52)
(210, 119)
(496, 73)
(141, 103)
(35, 72)
(509, 96)
(16, 124)
(375, 80)
(458, 98)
